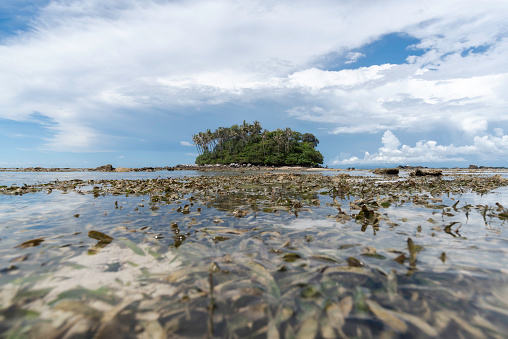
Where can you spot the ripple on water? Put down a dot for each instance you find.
(301, 254)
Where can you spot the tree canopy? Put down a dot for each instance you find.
(250, 143)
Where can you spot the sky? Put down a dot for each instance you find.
(84, 83)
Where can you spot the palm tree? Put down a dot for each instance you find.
(264, 135)
(220, 132)
(197, 142)
(256, 128)
(209, 139)
(244, 131)
(278, 137)
(288, 133)
(235, 134)
(204, 141)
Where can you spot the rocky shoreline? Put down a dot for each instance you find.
(190, 167)
(105, 168)
(418, 170)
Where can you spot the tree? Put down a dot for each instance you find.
(264, 135)
(307, 137)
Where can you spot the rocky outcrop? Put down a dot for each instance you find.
(382, 171)
(428, 172)
(152, 169)
(42, 169)
(105, 168)
(122, 169)
(110, 168)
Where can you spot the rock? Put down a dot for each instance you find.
(105, 168)
(420, 173)
(122, 169)
(473, 167)
(394, 171)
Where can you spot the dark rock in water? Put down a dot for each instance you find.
(421, 173)
(145, 169)
(394, 171)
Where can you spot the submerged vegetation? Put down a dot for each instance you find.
(249, 143)
(259, 255)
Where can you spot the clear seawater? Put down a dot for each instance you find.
(207, 272)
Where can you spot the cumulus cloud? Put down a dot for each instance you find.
(391, 98)
(186, 143)
(390, 141)
(429, 151)
(459, 82)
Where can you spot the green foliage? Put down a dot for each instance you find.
(249, 143)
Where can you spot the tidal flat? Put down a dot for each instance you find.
(279, 254)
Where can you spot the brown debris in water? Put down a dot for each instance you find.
(239, 279)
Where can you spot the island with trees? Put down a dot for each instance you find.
(250, 143)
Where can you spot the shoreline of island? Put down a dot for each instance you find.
(238, 167)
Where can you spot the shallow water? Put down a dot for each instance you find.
(20, 178)
(251, 256)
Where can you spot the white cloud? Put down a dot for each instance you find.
(391, 98)
(492, 145)
(474, 125)
(186, 143)
(89, 65)
(314, 78)
(390, 141)
(70, 137)
(429, 151)
(353, 57)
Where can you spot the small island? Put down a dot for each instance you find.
(250, 143)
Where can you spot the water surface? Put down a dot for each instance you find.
(251, 254)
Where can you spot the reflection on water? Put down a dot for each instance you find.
(279, 255)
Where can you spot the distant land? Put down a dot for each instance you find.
(225, 167)
(251, 144)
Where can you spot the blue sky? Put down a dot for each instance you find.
(380, 83)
